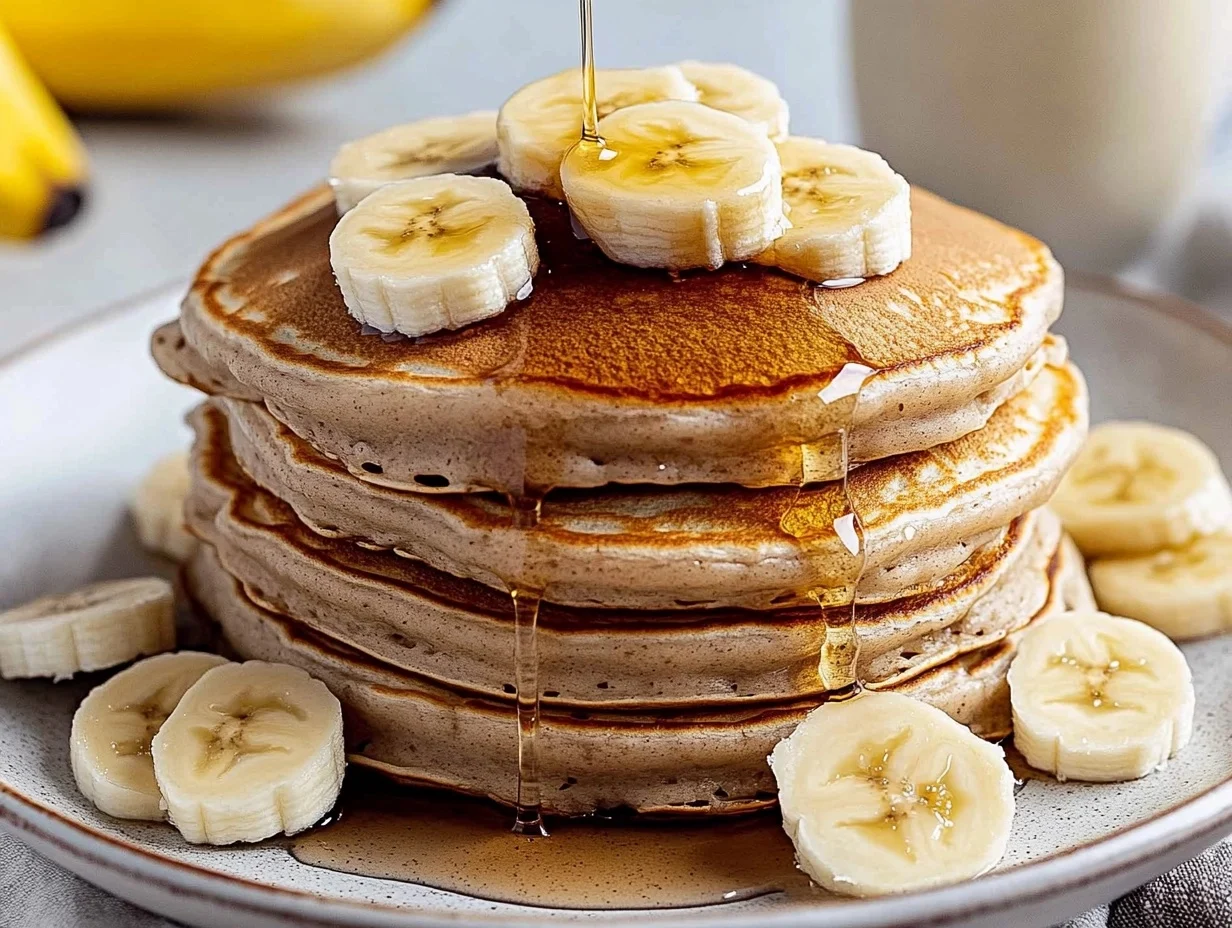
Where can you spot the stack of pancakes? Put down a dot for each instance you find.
(357, 498)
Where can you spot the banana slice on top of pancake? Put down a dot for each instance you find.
(739, 91)
(1099, 697)
(543, 120)
(676, 185)
(1184, 592)
(1138, 487)
(883, 794)
(252, 750)
(849, 212)
(441, 145)
(434, 253)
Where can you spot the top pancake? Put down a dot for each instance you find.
(611, 373)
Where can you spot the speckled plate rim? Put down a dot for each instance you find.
(1125, 857)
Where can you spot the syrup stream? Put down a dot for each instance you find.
(529, 818)
(590, 104)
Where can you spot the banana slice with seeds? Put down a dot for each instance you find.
(883, 794)
(112, 729)
(676, 185)
(98, 626)
(252, 750)
(543, 120)
(1138, 487)
(1184, 592)
(158, 509)
(1098, 697)
(850, 213)
(441, 145)
(736, 90)
(434, 253)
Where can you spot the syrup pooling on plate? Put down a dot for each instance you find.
(461, 845)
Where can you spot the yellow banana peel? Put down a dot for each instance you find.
(42, 162)
(130, 55)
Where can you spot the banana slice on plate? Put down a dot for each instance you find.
(112, 729)
(850, 213)
(158, 509)
(543, 120)
(676, 185)
(1099, 697)
(252, 750)
(1138, 487)
(98, 626)
(434, 253)
(1184, 592)
(882, 794)
(737, 90)
(441, 145)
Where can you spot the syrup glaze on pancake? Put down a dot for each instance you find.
(613, 374)
(594, 326)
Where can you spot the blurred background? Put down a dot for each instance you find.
(1103, 126)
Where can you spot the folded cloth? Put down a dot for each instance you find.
(1197, 894)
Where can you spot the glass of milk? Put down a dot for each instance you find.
(1081, 121)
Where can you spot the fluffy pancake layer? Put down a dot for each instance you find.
(703, 760)
(700, 546)
(608, 373)
(459, 633)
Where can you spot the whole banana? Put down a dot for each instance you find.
(135, 55)
(42, 162)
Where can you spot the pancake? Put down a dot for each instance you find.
(609, 373)
(459, 633)
(673, 547)
(700, 760)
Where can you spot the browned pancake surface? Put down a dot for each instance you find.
(596, 327)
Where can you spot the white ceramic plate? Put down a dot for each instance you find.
(84, 414)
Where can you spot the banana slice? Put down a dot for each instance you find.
(434, 253)
(442, 145)
(158, 509)
(736, 90)
(1184, 592)
(110, 743)
(676, 185)
(850, 214)
(884, 794)
(543, 120)
(1138, 487)
(251, 750)
(98, 626)
(1098, 697)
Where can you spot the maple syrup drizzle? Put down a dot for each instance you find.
(452, 843)
(590, 103)
(528, 819)
(835, 593)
